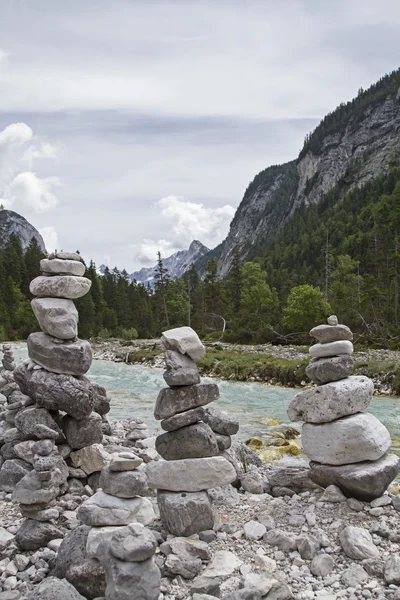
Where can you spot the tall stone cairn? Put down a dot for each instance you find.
(195, 439)
(346, 446)
(51, 426)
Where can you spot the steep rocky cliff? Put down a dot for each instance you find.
(354, 144)
(13, 223)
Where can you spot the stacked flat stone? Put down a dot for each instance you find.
(194, 440)
(52, 425)
(347, 447)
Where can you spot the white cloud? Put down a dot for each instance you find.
(50, 237)
(28, 193)
(15, 134)
(146, 251)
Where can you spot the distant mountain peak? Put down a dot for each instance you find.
(12, 223)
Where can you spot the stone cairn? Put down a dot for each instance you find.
(194, 441)
(347, 447)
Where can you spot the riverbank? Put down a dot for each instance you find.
(276, 365)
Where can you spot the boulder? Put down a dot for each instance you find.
(85, 432)
(191, 474)
(96, 537)
(102, 509)
(331, 349)
(57, 317)
(70, 358)
(89, 578)
(331, 333)
(34, 534)
(181, 369)
(331, 401)
(324, 370)
(56, 391)
(52, 588)
(189, 417)
(11, 472)
(28, 418)
(134, 543)
(185, 340)
(127, 580)
(72, 550)
(364, 480)
(392, 570)
(60, 286)
(184, 514)
(351, 439)
(90, 459)
(221, 421)
(62, 267)
(124, 484)
(193, 441)
(177, 400)
(357, 543)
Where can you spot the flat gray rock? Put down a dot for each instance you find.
(134, 543)
(193, 441)
(52, 588)
(189, 417)
(67, 255)
(124, 461)
(181, 369)
(60, 286)
(57, 317)
(331, 401)
(185, 340)
(364, 480)
(84, 432)
(331, 349)
(70, 358)
(102, 509)
(27, 418)
(184, 514)
(324, 370)
(191, 474)
(171, 401)
(357, 543)
(33, 534)
(125, 484)
(221, 421)
(11, 472)
(331, 333)
(348, 440)
(57, 266)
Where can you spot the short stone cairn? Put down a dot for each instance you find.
(347, 447)
(194, 440)
(8, 358)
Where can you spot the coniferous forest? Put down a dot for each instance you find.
(341, 255)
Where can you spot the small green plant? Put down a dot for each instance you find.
(129, 334)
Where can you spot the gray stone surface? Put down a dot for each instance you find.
(181, 369)
(252, 482)
(331, 349)
(134, 543)
(62, 267)
(308, 546)
(83, 433)
(224, 441)
(392, 570)
(354, 576)
(102, 509)
(185, 340)
(333, 494)
(70, 358)
(324, 370)
(190, 475)
(284, 541)
(322, 565)
(171, 401)
(351, 439)
(34, 534)
(189, 417)
(357, 543)
(364, 480)
(60, 286)
(124, 484)
(331, 333)
(90, 459)
(52, 588)
(221, 421)
(88, 577)
(12, 472)
(331, 401)
(184, 514)
(57, 392)
(57, 317)
(96, 537)
(254, 530)
(26, 420)
(125, 461)
(72, 550)
(124, 577)
(67, 255)
(193, 441)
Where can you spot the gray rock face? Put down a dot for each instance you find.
(102, 509)
(60, 286)
(56, 392)
(331, 401)
(30, 491)
(191, 474)
(33, 534)
(357, 543)
(124, 577)
(125, 484)
(71, 358)
(351, 439)
(133, 543)
(83, 433)
(189, 417)
(57, 317)
(52, 588)
(72, 550)
(124, 461)
(184, 514)
(221, 421)
(364, 480)
(26, 420)
(324, 370)
(331, 333)
(177, 400)
(57, 266)
(181, 369)
(90, 459)
(193, 441)
(392, 570)
(322, 565)
(89, 578)
(331, 349)
(284, 541)
(12, 472)
(185, 340)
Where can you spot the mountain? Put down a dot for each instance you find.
(354, 144)
(13, 223)
(177, 264)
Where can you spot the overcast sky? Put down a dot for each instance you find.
(128, 126)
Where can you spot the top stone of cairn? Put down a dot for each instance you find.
(67, 256)
(185, 340)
